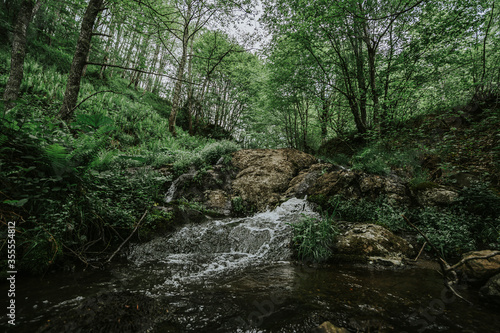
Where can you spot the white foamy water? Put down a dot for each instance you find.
(199, 252)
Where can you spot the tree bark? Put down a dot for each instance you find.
(180, 73)
(18, 54)
(79, 59)
(190, 91)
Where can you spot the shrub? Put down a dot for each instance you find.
(450, 232)
(211, 153)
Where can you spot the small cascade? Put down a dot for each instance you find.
(169, 196)
(199, 252)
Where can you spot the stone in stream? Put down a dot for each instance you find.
(374, 243)
(480, 270)
(491, 290)
(328, 327)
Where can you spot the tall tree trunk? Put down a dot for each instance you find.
(11, 92)
(180, 74)
(79, 59)
(190, 90)
(377, 119)
(115, 55)
(128, 54)
(151, 77)
(324, 114)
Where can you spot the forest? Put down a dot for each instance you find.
(106, 103)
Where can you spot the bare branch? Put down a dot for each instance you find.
(138, 70)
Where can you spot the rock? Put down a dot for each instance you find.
(299, 185)
(491, 291)
(265, 174)
(343, 182)
(355, 185)
(391, 186)
(217, 200)
(480, 269)
(436, 196)
(328, 327)
(371, 240)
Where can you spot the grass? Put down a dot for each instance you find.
(312, 238)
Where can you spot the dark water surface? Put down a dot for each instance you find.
(282, 297)
(235, 275)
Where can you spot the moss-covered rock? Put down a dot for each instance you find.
(371, 240)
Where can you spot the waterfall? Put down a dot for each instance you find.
(197, 252)
(169, 196)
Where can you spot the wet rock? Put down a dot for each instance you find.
(491, 291)
(386, 261)
(480, 269)
(372, 240)
(391, 186)
(217, 200)
(328, 327)
(265, 174)
(436, 196)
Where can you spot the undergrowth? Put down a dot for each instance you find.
(312, 238)
(471, 222)
(77, 190)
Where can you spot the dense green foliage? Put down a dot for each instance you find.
(170, 85)
(469, 223)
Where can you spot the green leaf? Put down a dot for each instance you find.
(16, 203)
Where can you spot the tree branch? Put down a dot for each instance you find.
(138, 70)
(99, 92)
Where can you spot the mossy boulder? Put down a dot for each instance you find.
(371, 240)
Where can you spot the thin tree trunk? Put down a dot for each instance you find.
(18, 54)
(190, 91)
(79, 59)
(129, 53)
(151, 77)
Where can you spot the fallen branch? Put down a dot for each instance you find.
(129, 236)
(463, 261)
(82, 259)
(420, 252)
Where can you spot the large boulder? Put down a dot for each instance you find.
(355, 185)
(436, 196)
(480, 265)
(300, 185)
(491, 290)
(265, 174)
(373, 242)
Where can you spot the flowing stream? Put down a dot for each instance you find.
(235, 275)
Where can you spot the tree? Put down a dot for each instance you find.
(27, 10)
(80, 59)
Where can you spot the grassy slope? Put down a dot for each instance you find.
(79, 189)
